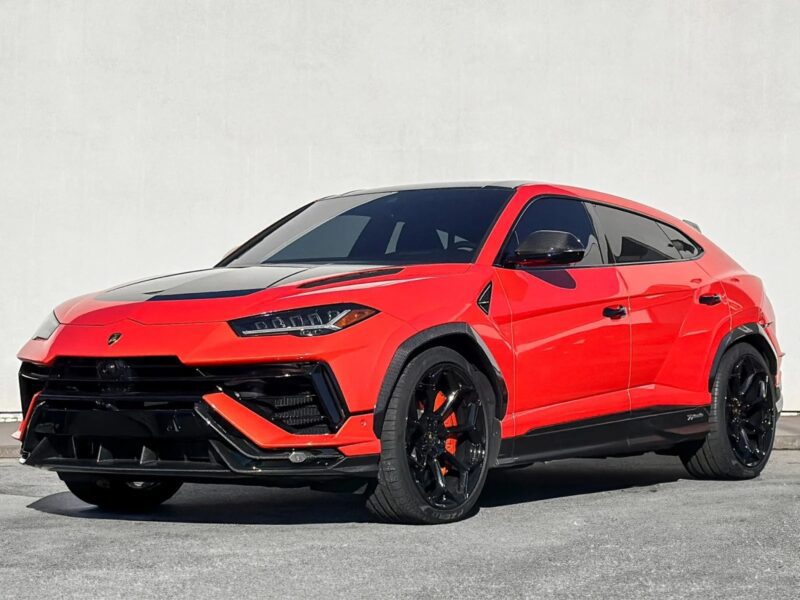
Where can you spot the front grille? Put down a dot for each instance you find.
(301, 398)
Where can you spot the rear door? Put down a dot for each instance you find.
(572, 360)
(675, 308)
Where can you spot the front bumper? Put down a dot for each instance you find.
(155, 416)
(191, 442)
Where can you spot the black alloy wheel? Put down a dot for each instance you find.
(750, 411)
(446, 436)
(742, 418)
(439, 438)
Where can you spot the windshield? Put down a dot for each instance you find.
(446, 225)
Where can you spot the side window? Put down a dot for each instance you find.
(558, 214)
(686, 247)
(633, 238)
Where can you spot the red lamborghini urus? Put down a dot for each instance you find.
(403, 342)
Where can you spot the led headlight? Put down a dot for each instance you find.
(47, 328)
(305, 322)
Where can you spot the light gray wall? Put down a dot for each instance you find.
(139, 138)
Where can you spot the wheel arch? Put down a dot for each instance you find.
(753, 334)
(459, 337)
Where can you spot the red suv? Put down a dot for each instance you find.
(404, 341)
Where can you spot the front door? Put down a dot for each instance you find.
(570, 327)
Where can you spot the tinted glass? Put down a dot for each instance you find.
(557, 214)
(686, 247)
(405, 227)
(633, 238)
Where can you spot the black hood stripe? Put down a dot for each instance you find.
(349, 277)
(204, 295)
(233, 282)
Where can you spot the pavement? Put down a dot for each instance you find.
(615, 528)
(788, 435)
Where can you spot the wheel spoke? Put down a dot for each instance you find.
(415, 460)
(756, 421)
(454, 400)
(460, 495)
(454, 462)
(428, 399)
(744, 440)
(435, 378)
(436, 469)
(472, 419)
(458, 430)
(744, 387)
(449, 404)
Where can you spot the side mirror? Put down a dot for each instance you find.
(547, 247)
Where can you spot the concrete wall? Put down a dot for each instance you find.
(141, 138)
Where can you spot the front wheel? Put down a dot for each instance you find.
(439, 437)
(122, 495)
(742, 419)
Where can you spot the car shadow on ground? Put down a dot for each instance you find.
(566, 478)
(252, 505)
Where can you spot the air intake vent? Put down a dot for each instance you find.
(485, 299)
(302, 398)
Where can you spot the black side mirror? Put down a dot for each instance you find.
(547, 247)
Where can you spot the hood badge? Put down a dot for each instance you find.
(114, 338)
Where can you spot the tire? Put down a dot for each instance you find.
(735, 448)
(418, 442)
(121, 495)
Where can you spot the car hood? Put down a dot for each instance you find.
(221, 294)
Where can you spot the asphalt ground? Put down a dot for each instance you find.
(616, 528)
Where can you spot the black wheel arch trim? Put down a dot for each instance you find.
(748, 332)
(426, 338)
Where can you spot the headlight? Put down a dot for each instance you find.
(306, 322)
(46, 329)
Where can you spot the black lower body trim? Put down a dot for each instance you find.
(614, 435)
(191, 442)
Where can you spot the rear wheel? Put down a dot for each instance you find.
(123, 495)
(742, 419)
(439, 437)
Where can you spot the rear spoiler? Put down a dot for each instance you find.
(693, 224)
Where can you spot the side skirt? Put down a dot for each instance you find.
(619, 434)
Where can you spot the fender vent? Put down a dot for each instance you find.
(485, 299)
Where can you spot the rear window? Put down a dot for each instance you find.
(633, 238)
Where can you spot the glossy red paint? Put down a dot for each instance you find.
(560, 358)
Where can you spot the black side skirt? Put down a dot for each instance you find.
(656, 428)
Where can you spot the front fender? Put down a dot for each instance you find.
(447, 333)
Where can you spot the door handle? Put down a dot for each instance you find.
(615, 312)
(710, 299)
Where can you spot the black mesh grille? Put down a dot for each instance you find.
(300, 397)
